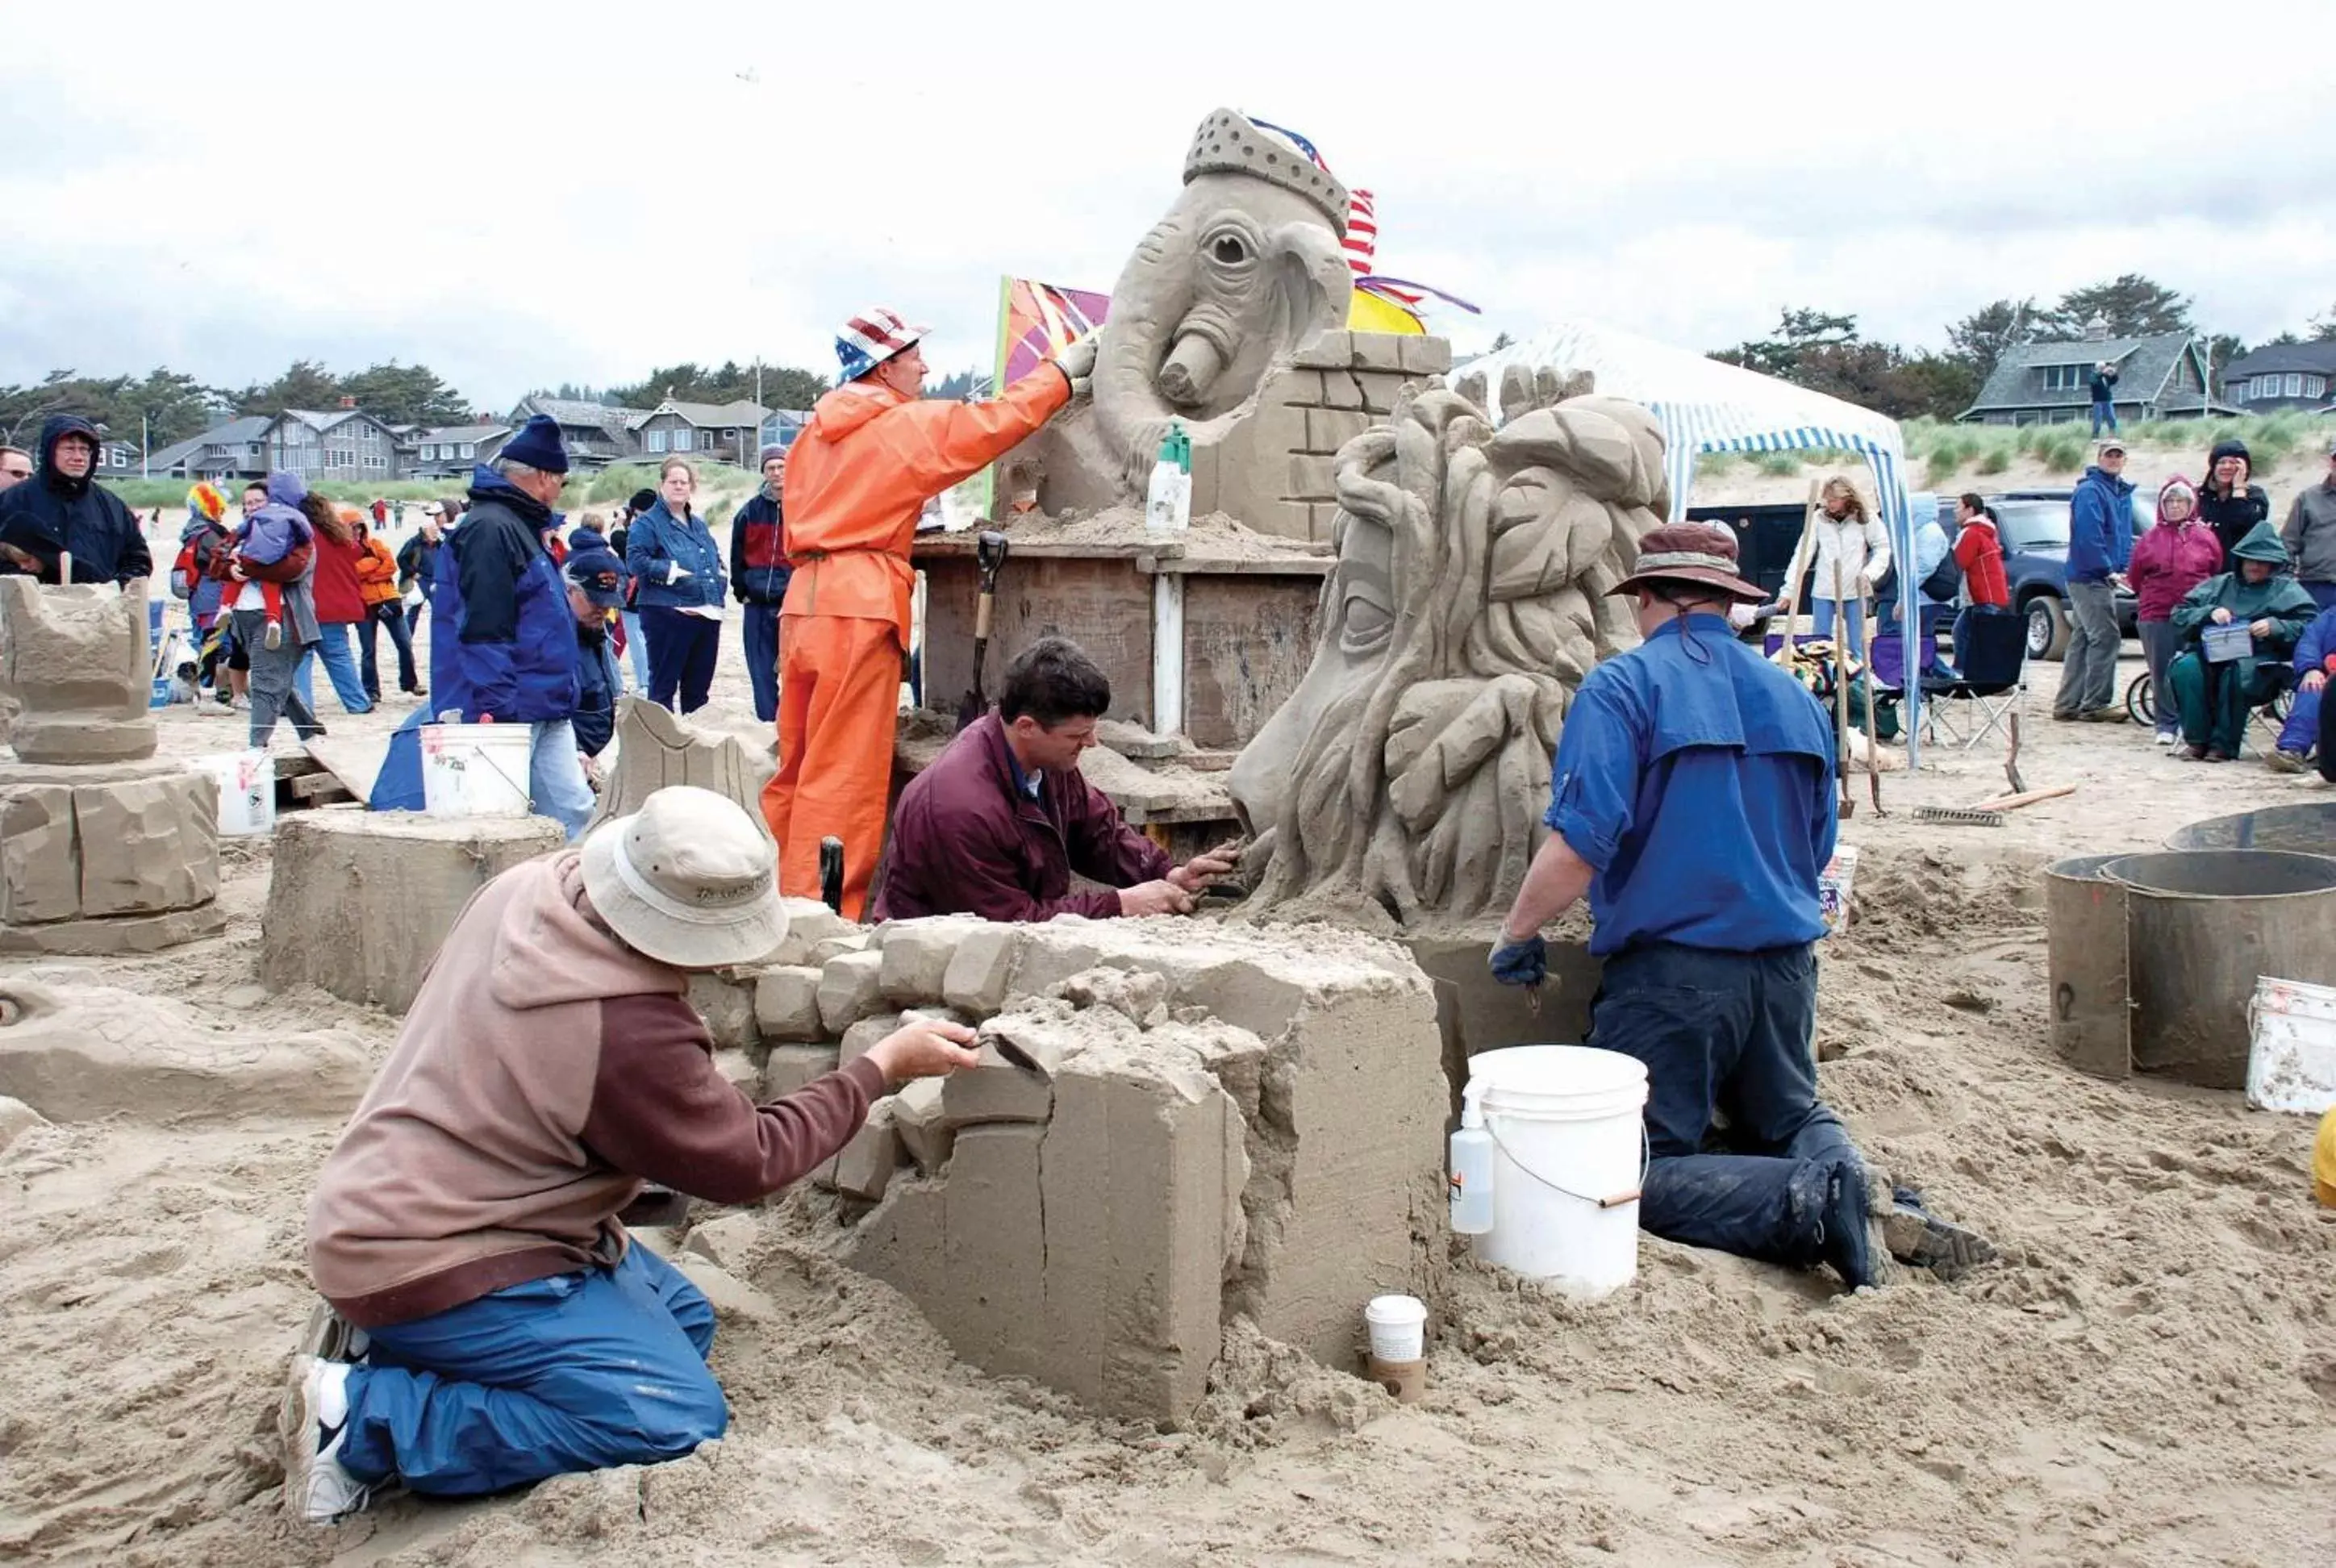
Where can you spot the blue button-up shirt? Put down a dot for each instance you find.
(1695, 778)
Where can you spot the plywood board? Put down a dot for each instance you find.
(1248, 640)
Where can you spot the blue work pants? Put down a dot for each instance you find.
(762, 637)
(574, 1372)
(683, 648)
(1728, 1033)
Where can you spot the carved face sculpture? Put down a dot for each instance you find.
(1246, 266)
(1410, 769)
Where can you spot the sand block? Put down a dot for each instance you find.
(862, 1035)
(916, 1117)
(729, 1242)
(786, 1003)
(739, 1070)
(147, 844)
(849, 990)
(916, 954)
(865, 1164)
(358, 901)
(789, 1068)
(809, 923)
(1140, 998)
(998, 1091)
(982, 969)
(17, 1119)
(851, 939)
(732, 1298)
(40, 861)
(116, 933)
(727, 1006)
(92, 1051)
(1134, 742)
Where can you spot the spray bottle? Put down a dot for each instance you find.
(1472, 1168)
(1168, 504)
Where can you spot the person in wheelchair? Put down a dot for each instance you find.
(2315, 662)
(2219, 678)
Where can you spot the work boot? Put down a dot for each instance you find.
(1915, 1236)
(2066, 715)
(2103, 715)
(2284, 761)
(1845, 1228)
(329, 1336)
(2197, 753)
(2215, 754)
(313, 1424)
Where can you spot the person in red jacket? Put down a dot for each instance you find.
(1979, 550)
(996, 826)
(2179, 553)
(340, 598)
(858, 477)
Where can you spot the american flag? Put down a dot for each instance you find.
(1362, 217)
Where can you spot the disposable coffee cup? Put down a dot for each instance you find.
(1399, 1327)
(1407, 1380)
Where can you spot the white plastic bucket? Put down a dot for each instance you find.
(247, 790)
(1570, 1153)
(1398, 1326)
(475, 770)
(2291, 1054)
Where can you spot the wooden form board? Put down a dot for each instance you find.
(1248, 634)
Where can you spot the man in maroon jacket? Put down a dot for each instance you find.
(490, 1321)
(996, 826)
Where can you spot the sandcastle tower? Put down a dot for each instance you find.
(103, 850)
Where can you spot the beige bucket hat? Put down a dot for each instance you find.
(689, 880)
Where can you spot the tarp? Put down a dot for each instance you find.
(1704, 405)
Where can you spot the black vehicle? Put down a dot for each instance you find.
(2034, 528)
(1766, 535)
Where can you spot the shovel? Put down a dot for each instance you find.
(989, 555)
(1841, 690)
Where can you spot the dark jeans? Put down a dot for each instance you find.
(388, 616)
(682, 651)
(763, 658)
(1728, 1033)
(2103, 414)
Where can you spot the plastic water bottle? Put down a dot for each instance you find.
(1168, 503)
(1472, 1173)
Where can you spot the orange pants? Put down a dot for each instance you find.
(838, 701)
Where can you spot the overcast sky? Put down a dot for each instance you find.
(521, 195)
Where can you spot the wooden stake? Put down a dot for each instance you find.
(1841, 691)
(2012, 803)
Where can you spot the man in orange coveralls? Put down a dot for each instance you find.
(858, 477)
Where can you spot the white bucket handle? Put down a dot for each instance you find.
(518, 786)
(1646, 1157)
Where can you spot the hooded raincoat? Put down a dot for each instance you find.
(2214, 698)
(2172, 558)
(50, 514)
(858, 477)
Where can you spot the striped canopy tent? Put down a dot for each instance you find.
(1704, 405)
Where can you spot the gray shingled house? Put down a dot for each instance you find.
(596, 434)
(340, 444)
(719, 431)
(2161, 378)
(233, 450)
(2284, 375)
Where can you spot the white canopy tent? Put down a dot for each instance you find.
(1704, 405)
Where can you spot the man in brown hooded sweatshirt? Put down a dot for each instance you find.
(490, 1322)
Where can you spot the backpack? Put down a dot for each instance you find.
(184, 573)
(1945, 581)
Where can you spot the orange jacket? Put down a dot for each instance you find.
(376, 572)
(861, 472)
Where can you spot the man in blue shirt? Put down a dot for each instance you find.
(1692, 802)
(2100, 544)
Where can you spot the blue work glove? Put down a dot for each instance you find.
(1524, 963)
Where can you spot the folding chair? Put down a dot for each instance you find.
(1991, 687)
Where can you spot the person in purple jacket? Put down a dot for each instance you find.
(996, 826)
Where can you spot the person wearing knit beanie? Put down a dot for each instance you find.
(759, 573)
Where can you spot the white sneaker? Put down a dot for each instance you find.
(312, 1423)
(2165, 737)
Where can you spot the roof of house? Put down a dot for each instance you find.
(2143, 367)
(325, 419)
(717, 416)
(234, 433)
(460, 432)
(575, 411)
(2317, 357)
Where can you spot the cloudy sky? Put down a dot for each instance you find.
(521, 196)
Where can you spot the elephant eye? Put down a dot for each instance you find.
(1230, 251)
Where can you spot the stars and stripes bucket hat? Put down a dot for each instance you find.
(870, 338)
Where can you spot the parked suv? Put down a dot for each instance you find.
(2034, 525)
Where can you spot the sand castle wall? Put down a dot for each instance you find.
(1230, 1126)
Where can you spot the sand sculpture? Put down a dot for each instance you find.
(1229, 1127)
(1246, 266)
(1409, 774)
(657, 747)
(100, 850)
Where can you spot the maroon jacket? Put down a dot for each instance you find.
(965, 843)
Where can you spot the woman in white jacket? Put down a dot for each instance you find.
(1844, 532)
